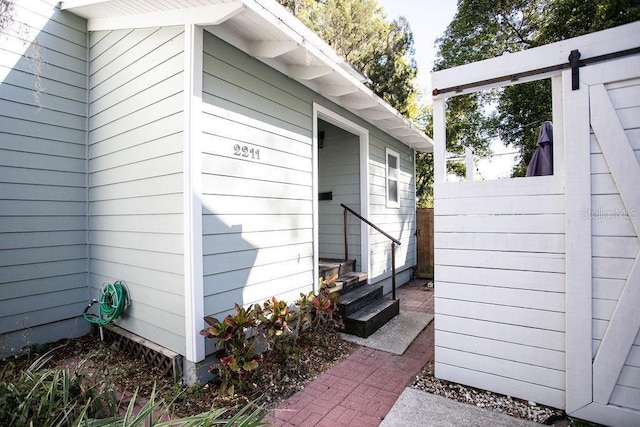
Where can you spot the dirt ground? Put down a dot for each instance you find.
(104, 363)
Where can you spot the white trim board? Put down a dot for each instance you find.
(192, 194)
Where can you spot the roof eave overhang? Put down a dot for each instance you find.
(275, 39)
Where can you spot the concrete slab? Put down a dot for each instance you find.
(396, 336)
(416, 408)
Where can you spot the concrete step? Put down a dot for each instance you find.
(369, 319)
(358, 298)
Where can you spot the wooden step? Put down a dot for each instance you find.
(335, 267)
(369, 319)
(348, 282)
(358, 298)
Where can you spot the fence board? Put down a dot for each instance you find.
(424, 228)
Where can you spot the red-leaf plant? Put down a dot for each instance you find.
(236, 344)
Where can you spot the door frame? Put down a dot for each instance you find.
(327, 115)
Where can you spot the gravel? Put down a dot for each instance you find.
(527, 410)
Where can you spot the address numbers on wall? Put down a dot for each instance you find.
(246, 151)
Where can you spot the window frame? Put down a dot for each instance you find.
(388, 192)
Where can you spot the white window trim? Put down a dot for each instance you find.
(391, 203)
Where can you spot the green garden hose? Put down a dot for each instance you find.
(114, 298)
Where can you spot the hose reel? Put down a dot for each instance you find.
(113, 300)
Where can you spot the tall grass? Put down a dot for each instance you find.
(39, 396)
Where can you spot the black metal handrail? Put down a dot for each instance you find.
(394, 242)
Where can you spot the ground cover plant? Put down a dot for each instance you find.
(42, 396)
(93, 368)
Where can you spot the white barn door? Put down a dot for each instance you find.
(602, 139)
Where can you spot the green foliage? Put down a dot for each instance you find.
(238, 335)
(483, 29)
(236, 341)
(39, 396)
(360, 32)
(275, 317)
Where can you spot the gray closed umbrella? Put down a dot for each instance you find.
(542, 159)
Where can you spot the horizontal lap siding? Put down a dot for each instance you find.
(135, 176)
(399, 222)
(43, 254)
(500, 300)
(615, 242)
(257, 212)
(339, 173)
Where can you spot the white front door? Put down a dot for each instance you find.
(602, 143)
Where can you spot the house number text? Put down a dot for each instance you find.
(246, 151)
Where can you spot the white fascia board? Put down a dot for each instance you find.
(590, 45)
(204, 15)
(70, 4)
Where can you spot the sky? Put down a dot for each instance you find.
(428, 19)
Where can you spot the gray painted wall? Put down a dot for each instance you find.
(135, 176)
(258, 215)
(257, 211)
(110, 201)
(400, 221)
(43, 255)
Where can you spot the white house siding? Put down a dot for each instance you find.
(500, 286)
(339, 173)
(399, 222)
(257, 212)
(135, 176)
(615, 241)
(43, 255)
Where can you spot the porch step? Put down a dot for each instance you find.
(362, 307)
(331, 268)
(348, 282)
(369, 319)
(358, 298)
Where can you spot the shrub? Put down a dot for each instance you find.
(319, 312)
(276, 323)
(237, 348)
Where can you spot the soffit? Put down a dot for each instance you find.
(267, 32)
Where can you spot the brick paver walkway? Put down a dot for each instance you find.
(360, 390)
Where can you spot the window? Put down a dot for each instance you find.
(393, 164)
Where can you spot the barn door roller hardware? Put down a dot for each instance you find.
(574, 63)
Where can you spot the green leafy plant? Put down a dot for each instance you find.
(319, 312)
(275, 317)
(156, 413)
(325, 310)
(237, 335)
(236, 342)
(39, 396)
(276, 325)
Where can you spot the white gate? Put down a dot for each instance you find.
(602, 125)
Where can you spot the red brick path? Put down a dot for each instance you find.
(360, 390)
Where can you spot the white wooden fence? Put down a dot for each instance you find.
(538, 278)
